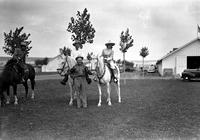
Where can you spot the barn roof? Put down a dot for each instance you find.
(180, 48)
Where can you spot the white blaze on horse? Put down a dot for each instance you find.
(65, 64)
(104, 76)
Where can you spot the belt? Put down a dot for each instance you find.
(79, 76)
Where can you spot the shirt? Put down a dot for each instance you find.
(78, 70)
(108, 53)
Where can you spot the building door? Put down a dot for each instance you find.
(181, 64)
(193, 62)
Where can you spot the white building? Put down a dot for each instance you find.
(185, 57)
(138, 64)
(52, 64)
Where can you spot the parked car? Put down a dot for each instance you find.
(151, 69)
(190, 74)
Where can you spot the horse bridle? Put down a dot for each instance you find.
(63, 67)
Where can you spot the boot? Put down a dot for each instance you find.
(63, 82)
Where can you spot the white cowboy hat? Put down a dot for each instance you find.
(110, 43)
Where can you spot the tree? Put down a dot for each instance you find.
(89, 56)
(126, 42)
(81, 29)
(13, 40)
(144, 52)
(66, 51)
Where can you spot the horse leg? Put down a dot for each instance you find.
(8, 95)
(99, 87)
(117, 86)
(71, 94)
(15, 94)
(2, 98)
(108, 91)
(32, 88)
(26, 88)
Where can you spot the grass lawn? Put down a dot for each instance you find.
(150, 109)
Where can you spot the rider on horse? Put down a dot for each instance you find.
(19, 55)
(108, 54)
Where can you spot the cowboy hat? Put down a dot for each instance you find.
(110, 43)
(79, 56)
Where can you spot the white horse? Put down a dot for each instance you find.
(66, 63)
(104, 78)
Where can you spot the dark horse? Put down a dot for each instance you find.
(11, 76)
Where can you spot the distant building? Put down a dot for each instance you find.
(29, 60)
(185, 57)
(52, 64)
(138, 64)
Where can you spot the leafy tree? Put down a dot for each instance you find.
(126, 42)
(14, 39)
(81, 29)
(89, 56)
(66, 51)
(144, 52)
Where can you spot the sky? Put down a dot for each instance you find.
(158, 25)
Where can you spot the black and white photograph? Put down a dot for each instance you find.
(99, 69)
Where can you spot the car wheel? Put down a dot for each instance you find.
(186, 78)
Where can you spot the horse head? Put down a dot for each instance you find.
(65, 64)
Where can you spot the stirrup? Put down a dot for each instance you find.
(115, 80)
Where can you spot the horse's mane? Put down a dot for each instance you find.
(10, 62)
(9, 65)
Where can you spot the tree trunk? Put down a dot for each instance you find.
(124, 62)
(143, 66)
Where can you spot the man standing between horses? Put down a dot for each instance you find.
(79, 73)
(108, 54)
(20, 54)
(65, 79)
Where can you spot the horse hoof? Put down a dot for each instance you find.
(120, 101)
(32, 97)
(109, 103)
(7, 102)
(99, 105)
(15, 103)
(70, 104)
